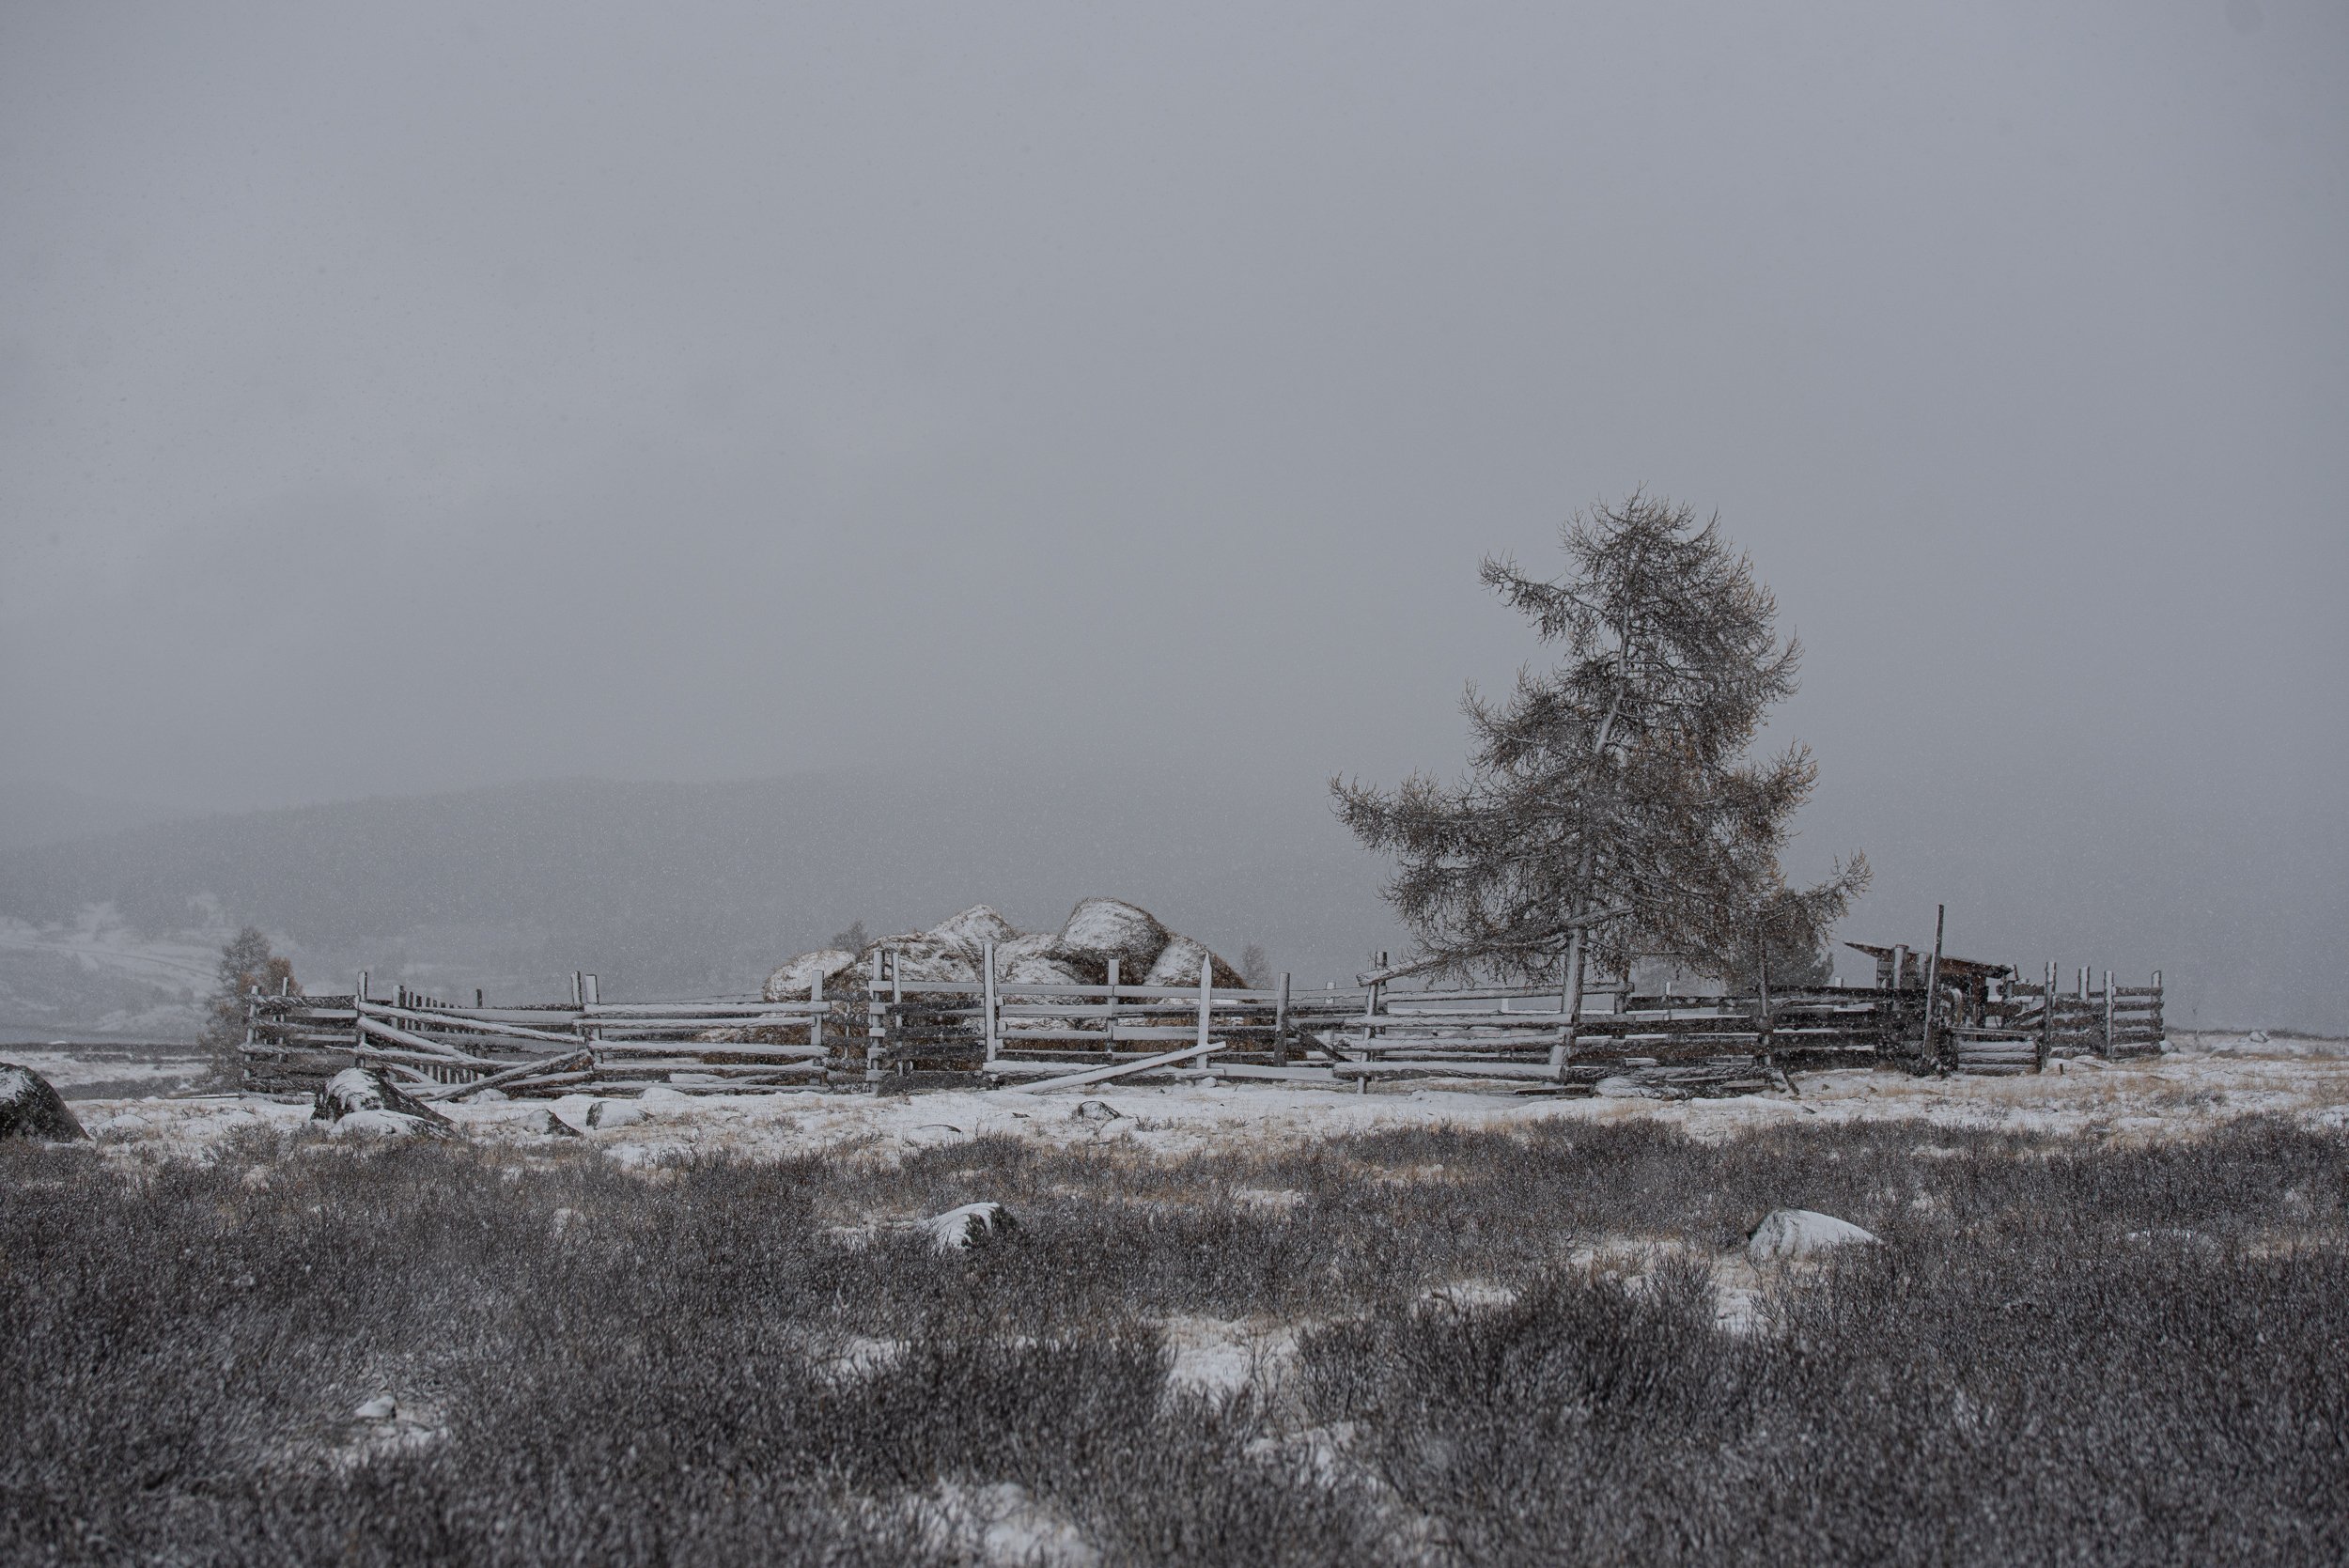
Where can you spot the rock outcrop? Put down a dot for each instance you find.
(1106, 928)
(923, 956)
(958, 1230)
(1179, 964)
(1078, 953)
(1788, 1234)
(972, 929)
(30, 1106)
(795, 980)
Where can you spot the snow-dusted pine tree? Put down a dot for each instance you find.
(1610, 810)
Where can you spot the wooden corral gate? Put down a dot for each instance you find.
(1030, 1036)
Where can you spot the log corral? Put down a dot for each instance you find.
(887, 1017)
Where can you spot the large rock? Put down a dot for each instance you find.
(972, 929)
(30, 1108)
(1802, 1233)
(371, 1103)
(1101, 929)
(1041, 954)
(923, 956)
(795, 980)
(1179, 964)
(958, 1230)
(1035, 969)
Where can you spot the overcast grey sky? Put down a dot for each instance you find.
(713, 391)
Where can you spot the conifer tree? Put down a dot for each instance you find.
(245, 965)
(1610, 810)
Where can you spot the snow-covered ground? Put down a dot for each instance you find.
(75, 1073)
(2215, 1078)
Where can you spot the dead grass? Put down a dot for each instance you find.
(2070, 1352)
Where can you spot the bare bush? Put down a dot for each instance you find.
(2074, 1353)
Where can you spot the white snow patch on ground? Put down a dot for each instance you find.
(1002, 1523)
(2151, 1097)
(1216, 1356)
(65, 1070)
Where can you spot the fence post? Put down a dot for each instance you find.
(358, 1014)
(815, 1013)
(989, 1005)
(588, 1032)
(1206, 1001)
(1109, 1019)
(876, 1011)
(1280, 1024)
(2046, 1018)
(898, 1056)
(2161, 1024)
(1933, 981)
(2107, 1014)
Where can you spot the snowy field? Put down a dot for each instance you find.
(2093, 1316)
(2212, 1078)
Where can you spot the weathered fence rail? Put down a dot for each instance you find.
(1032, 1036)
(437, 1049)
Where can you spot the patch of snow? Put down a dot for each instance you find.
(379, 1124)
(974, 928)
(957, 1229)
(1217, 1355)
(1802, 1233)
(795, 979)
(1001, 1523)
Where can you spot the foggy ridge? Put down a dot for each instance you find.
(674, 887)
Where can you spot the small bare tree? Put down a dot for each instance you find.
(1610, 809)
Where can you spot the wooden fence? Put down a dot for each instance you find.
(2030, 1023)
(436, 1048)
(1030, 1036)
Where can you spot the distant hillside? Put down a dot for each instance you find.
(678, 889)
(35, 812)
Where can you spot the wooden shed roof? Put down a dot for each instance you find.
(1955, 968)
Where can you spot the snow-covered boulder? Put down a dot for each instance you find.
(1802, 1233)
(923, 956)
(31, 1108)
(958, 1230)
(1179, 964)
(615, 1113)
(1036, 970)
(1106, 928)
(1096, 1110)
(796, 979)
(385, 1124)
(382, 1110)
(1042, 953)
(972, 929)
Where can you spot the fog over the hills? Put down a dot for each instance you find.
(1067, 415)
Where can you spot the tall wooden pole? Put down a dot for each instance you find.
(1933, 981)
